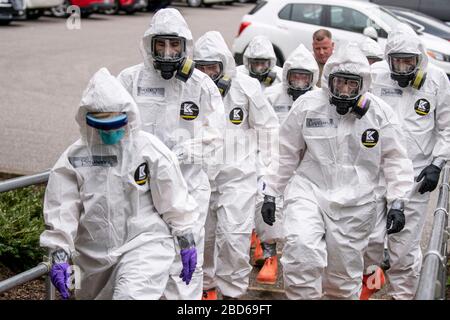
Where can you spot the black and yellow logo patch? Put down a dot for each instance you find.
(422, 107)
(189, 110)
(141, 174)
(236, 116)
(370, 138)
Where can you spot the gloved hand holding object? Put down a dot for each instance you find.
(60, 272)
(268, 210)
(188, 256)
(430, 176)
(395, 217)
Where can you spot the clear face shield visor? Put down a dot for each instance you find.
(168, 48)
(299, 79)
(110, 125)
(214, 69)
(259, 66)
(403, 63)
(345, 86)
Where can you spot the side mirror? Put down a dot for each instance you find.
(371, 32)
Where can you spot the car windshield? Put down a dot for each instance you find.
(386, 17)
(431, 25)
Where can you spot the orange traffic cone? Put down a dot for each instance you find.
(268, 273)
(210, 294)
(258, 255)
(372, 283)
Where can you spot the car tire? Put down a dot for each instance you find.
(86, 14)
(194, 3)
(279, 55)
(5, 22)
(61, 10)
(130, 11)
(114, 10)
(33, 14)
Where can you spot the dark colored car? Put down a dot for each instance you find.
(11, 10)
(432, 25)
(439, 9)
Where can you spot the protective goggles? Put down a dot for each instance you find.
(168, 48)
(214, 69)
(106, 120)
(344, 85)
(299, 79)
(403, 63)
(258, 66)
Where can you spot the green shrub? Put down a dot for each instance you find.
(21, 223)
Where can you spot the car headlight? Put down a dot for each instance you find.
(438, 55)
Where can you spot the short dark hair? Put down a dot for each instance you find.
(321, 34)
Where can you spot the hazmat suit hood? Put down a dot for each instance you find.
(348, 58)
(260, 48)
(212, 47)
(104, 93)
(371, 48)
(300, 58)
(404, 39)
(165, 22)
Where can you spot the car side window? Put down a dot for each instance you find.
(285, 13)
(348, 19)
(307, 13)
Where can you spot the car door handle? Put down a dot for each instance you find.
(282, 26)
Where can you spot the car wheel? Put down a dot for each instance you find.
(86, 14)
(5, 22)
(194, 3)
(114, 9)
(61, 10)
(279, 55)
(130, 11)
(33, 14)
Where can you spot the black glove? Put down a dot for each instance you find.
(268, 210)
(395, 221)
(431, 174)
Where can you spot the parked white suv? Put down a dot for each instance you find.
(36, 8)
(287, 23)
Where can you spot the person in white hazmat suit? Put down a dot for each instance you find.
(260, 62)
(338, 139)
(300, 75)
(419, 94)
(183, 107)
(372, 50)
(251, 122)
(115, 202)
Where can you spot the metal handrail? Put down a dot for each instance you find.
(21, 182)
(433, 276)
(42, 268)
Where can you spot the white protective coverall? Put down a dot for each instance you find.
(250, 121)
(425, 118)
(371, 48)
(115, 209)
(260, 47)
(188, 117)
(329, 203)
(281, 102)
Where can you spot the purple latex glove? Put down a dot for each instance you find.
(189, 260)
(59, 274)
